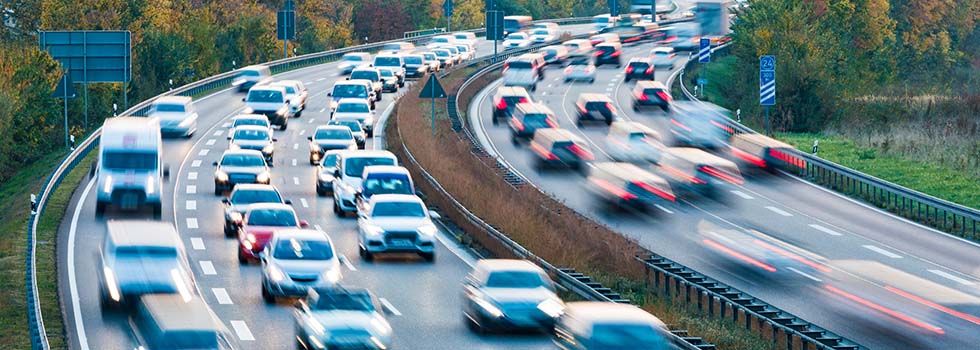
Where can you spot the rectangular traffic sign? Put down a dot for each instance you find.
(286, 25)
(91, 56)
(704, 54)
(767, 88)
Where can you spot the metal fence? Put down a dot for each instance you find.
(416, 33)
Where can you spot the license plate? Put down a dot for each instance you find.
(401, 242)
(129, 201)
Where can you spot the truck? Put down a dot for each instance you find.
(130, 170)
(713, 18)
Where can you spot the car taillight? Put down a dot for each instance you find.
(663, 96)
(616, 191)
(581, 109)
(649, 70)
(543, 152)
(589, 70)
(568, 70)
(670, 38)
(629, 69)
(679, 125)
(597, 53)
(517, 124)
(523, 100)
(723, 127)
(551, 123)
(720, 174)
(641, 96)
(501, 104)
(580, 152)
(615, 54)
(610, 107)
(646, 187)
(683, 175)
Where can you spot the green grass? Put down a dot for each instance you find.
(939, 181)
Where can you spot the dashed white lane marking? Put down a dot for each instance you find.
(226, 125)
(609, 89)
(317, 227)
(210, 142)
(742, 194)
(301, 132)
(203, 152)
(217, 133)
(197, 243)
(191, 189)
(779, 211)
(304, 203)
(294, 161)
(191, 222)
(207, 268)
(196, 163)
(665, 210)
(346, 262)
(295, 181)
(241, 329)
(192, 175)
(295, 146)
(611, 84)
(191, 205)
(882, 251)
(804, 274)
(391, 308)
(825, 230)
(222, 295)
(307, 82)
(949, 276)
(321, 111)
(321, 79)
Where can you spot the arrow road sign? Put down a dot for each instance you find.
(432, 88)
(704, 55)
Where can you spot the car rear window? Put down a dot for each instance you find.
(350, 90)
(353, 108)
(303, 249)
(413, 60)
(272, 217)
(354, 167)
(265, 96)
(387, 61)
(169, 107)
(639, 64)
(388, 184)
(366, 75)
(255, 196)
(332, 134)
(398, 209)
(251, 134)
(520, 65)
(244, 160)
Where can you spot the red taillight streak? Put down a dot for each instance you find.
(721, 175)
(885, 310)
(580, 152)
(551, 123)
(517, 124)
(656, 191)
(568, 70)
(663, 96)
(629, 40)
(797, 162)
(629, 69)
(750, 158)
(543, 152)
(679, 125)
(683, 175)
(739, 256)
(501, 104)
(933, 305)
(787, 254)
(641, 96)
(723, 126)
(649, 70)
(523, 100)
(610, 107)
(597, 53)
(616, 54)
(618, 192)
(620, 143)
(582, 109)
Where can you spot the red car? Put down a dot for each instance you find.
(260, 222)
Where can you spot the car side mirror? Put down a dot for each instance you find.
(434, 215)
(229, 138)
(309, 138)
(214, 164)
(329, 93)
(226, 201)
(166, 171)
(243, 99)
(336, 173)
(288, 202)
(275, 139)
(304, 224)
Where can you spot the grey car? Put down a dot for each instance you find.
(330, 137)
(580, 69)
(341, 318)
(253, 137)
(295, 260)
(240, 167)
(139, 258)
(241, 200)
(507, 294)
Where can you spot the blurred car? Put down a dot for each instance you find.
(330, 137)
(505, 99)
(296, 93)
(543, 35)
(663, 57)
(683, 37)
(253, 137)
(596, 325)
(355, 128)
(458, 56)
(358, 89)
(602, 21)
(445, 57)
(295, 260)
(624, 185)
(393, 61)
(595, 107)
(372, 75)
(608, 53)
(603, 38)
(554, 54)
(348, 176)
(441, 40)
(521, 73)
(383, 179)
(389, 82)
(516, 24)
(139, 258)
(341, 318)
(173, 323)
(510, 294)
(516, 40)
(532, 61)
(415, 67)
(240, 167)
(395, 48)
(527, 118)
(640, 68)
(698, 171)
(432, 61)
(649, 94)
(635, 33)
(248, 119)
(395, 223)
(465, 37)
(466, 51)
(353, 60)
(242, 198)
(325, 171)
(546, 25)
(633, 142)
(176, 114)
(578, 48)
(252, 76)
(356, 109)
(702, 128)
(537, 61)
(555, 147)
(580, 69)
(765, 152)
(261, 221)
(270, 101)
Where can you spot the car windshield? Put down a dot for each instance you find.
(265, 96)
(387, 62)
(303, 249)
(515, 36)
(350, 90)
(413, 60)
(353, 108)
(329, 163)
(394, 184)
(661, 53)
(145, 252)
(251, 134)
(429, 56)
(392, 47)
(357, 58)
(398, 209)
(440, 40)
(354, 167)
(255, 196)
(167, 107)
(515, 279)
(242, 160)
(627, 336)
(541, 32)
(129, 161)
(354, 125)
(272, 217)
(290, 89)
(250, 121)
(365, 74)
(344, 301)
(249, 73)
(442, 53)
(386, 73)
(332, 134)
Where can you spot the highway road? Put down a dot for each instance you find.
(876, 279)
(425, 298)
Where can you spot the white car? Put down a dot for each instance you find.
(248, 119)
(432, 60)
(578, 47)
(542, 35)
(342, 318)
(466, 38)
(395, 223)
(395, 62)
(352, 60)
(356, 108)
(439, 40)
(295, 260)
(516, 40)
(663, 57)
(372, 75)
(580, 69)
(139, 258)
(347, 178)
(355, 128)
(176, 114)
(554, 54)
(296, 93)
(466, 51)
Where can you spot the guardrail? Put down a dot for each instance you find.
(922, 208)
(39, 338)
(416, 33)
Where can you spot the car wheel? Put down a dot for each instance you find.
(592, 81)
(230, 233)
(665, 108)
(157, 210)
(100, 209)
(513, 140)
(635, 108)
(627, 79)
(366, 255)
(494, 120)
(370, 133)
(298, 114)
(379, 96)
(266, 296)
(241, 257)
(336, 209)
(578, 122)
(474, 326)
(217, 190)
(312, 162)
(429, 257)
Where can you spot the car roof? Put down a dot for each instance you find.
(650, 84)
(551, 135)
(356, 54)
(491, 265)
(280, 206)
(368, 154)
(142, 233)
(352, 100)
(594, 97)
(665, 49)
(361, 69)
(535, 108)
(512, 91)
(268, 87)
(351, 82)
(252, 127)
(256, 67)
(396, 198)
(385, 169)
(250, 116)
(173, 99)
(301, 233)
(577, 41)
(640, 59)
(331, 127)
(591, 312)
(171, 313)
(250, 152)
(255, 187)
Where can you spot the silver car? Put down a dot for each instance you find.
(341, 318)
(142, 257)
(580, 69)
(330, 137)
(594, 325)
(505, 294)
(356, 109)
(295, 260)
(296, 93)
(176, 114)
(253, 137)
(395, 223)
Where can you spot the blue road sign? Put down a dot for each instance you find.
(767, 87)
(767, 63)
(702, 81)
(704, 54)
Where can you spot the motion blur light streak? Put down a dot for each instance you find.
(933, 305)
(613, 189)
(683, 175)
(801, 259)
(885, 310)
(721, 175)
(739, 256)
(749, 157)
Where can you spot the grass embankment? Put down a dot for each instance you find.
(536, 221)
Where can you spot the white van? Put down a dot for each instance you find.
(271, 101)
(347, 177)
(129, 167)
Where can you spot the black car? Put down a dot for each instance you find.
(592, 106)
(529, 117)
(651, 94)
(640, 68)
(242, 198)
(608, 53)
(506, 99)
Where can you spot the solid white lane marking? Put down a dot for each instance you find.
(321, 79)
(301, 132)
(779, 211)
(72, 286)
(197, 243)
(226, 125)
(304, 203)
(391, 308)
(192, 175)
(294, 161)
(210, 142)
(222, 295)
(949, 276)
(295, 146)
(804, 274)
(191, 222)
(191, 189)
(203, 152)
(241, 329)
(295, 181)
(196, 163)
(825, 230)
(346, 262)
(208, 268)
(742, 194)
(218, 133)
(665, 210)
(882, 251)
(191, 205)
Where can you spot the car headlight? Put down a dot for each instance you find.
(487, 306)
(263, 177)
(268, 149)
(150, 185)
(551, 307)
(368, 121)
(325, 177)
(333, 104)
(373, 230)
(274, 273)
(235, 217)
(332, 275)
(234, 147)
(221, 176)
(428, 230)
(108, 184)
(110, 283)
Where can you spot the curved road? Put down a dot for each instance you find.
(876, 279)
